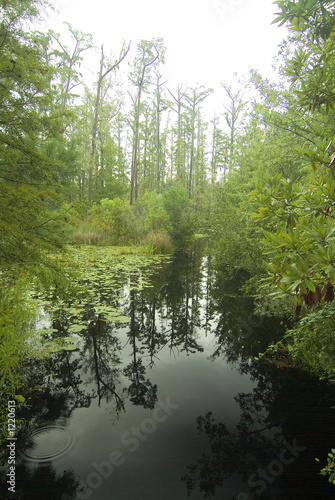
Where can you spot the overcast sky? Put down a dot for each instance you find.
(207, 40)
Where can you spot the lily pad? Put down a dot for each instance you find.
(121, 319)
(48, 330)
(77, 328)
(70, 347)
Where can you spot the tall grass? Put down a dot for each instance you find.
(158, 242)
(84, 236)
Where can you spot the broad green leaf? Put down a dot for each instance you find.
(69, 347)
(310, 285)
(121, 319)
(77, 328)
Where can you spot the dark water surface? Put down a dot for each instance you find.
(163, 397)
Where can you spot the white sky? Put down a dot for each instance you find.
(207, 40)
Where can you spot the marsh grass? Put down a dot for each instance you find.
(83, 236)
(158, 243)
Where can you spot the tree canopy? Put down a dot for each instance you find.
(29, 189)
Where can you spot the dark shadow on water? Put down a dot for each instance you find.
(286, 423)
(41, 483)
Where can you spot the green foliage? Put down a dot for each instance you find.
(31, 221)
(150, 208)
(66, 156)
(159, 242)
(296, 209)
(85, 235)
(312, 64)
(178, 207)
(67, 62)
(312, 342)
(16, 316)
(267, 148)
(154, 218)
(300, 245)
(236, 240)
(114, 220)
(312, 16)
(19, 311)
(329, 469)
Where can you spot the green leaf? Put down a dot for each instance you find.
(69, 347)
(310, 285)
(77, 328)
(121, 319)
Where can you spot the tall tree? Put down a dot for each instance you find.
(193, 100)
(160, 105)
(233, 114)
(218, 150)
(28, 178)
(67, 61)
(311, 66)
(299, 240)
(105, 70)
(148, 55)
(178, 156)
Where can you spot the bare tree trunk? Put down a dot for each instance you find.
(135, 151)
(140, 84)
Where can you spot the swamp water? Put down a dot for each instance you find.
(156, 394)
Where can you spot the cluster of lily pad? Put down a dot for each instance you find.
(104, 274)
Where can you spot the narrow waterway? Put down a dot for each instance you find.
(161, 396)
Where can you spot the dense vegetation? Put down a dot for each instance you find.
(129, 161)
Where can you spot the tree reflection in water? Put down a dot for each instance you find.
(41, 483)
(285, 423)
